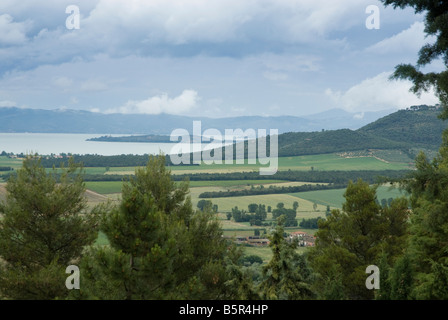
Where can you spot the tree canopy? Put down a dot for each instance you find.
(436, 25)
(45, 226)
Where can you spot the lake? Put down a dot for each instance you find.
(48, 143)
(56, 143)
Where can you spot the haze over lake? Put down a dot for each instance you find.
(48, 143)
(56, 143)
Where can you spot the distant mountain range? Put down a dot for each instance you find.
(416, 128)
(78, 121)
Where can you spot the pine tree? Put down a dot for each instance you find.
(429, 225)
(350, 240)
(427, 251)
(160, 248)
(44, 229)
(286, 276)
(401, 279)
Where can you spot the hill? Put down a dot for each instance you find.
(80, 121)
(407, 131)
(344, 140)
(418, 125)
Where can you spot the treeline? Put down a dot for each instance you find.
(288, 214)
(95, 160)
(333, 177)
(336, 176)
(312, 223)
(142, 138)
(255, 216)
(271, 190)
(87, 177)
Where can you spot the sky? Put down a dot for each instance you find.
(214, 58)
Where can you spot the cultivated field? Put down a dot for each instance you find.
(100, 191)
(322, 162)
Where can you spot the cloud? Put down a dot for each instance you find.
(275, 76)
(165, 27)
(12, 33)
(7, 103)
(161, 104)
(226, 49)
(409, 40)
(175, 22)
(63, 82)
(379, 93)
(280, 67)
(359, 116)
(288, 62)
(93, 86)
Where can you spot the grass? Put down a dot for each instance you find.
(316, 162)
(265, 253)
(232, 183)
(226, 204)
(101, 240)
(384, 192)
(322, 162)
(335, 198)
(104, 187)
(8, 162)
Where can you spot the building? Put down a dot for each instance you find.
(304, 239)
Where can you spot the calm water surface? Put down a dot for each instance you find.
(48, 143)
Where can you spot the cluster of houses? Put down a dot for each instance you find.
(21, 156)
(304, 239)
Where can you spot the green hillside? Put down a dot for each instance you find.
(415, 128)
(419, 126)
(402, 133)
(306, 143)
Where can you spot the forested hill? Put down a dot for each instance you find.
(302, 143)
(416, 125)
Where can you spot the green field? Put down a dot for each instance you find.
(104, 187)
(231, 183)
(226, 204)
(103, 190)
(322, 162)
(8, 162)
(311, 162)
(335, 198)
